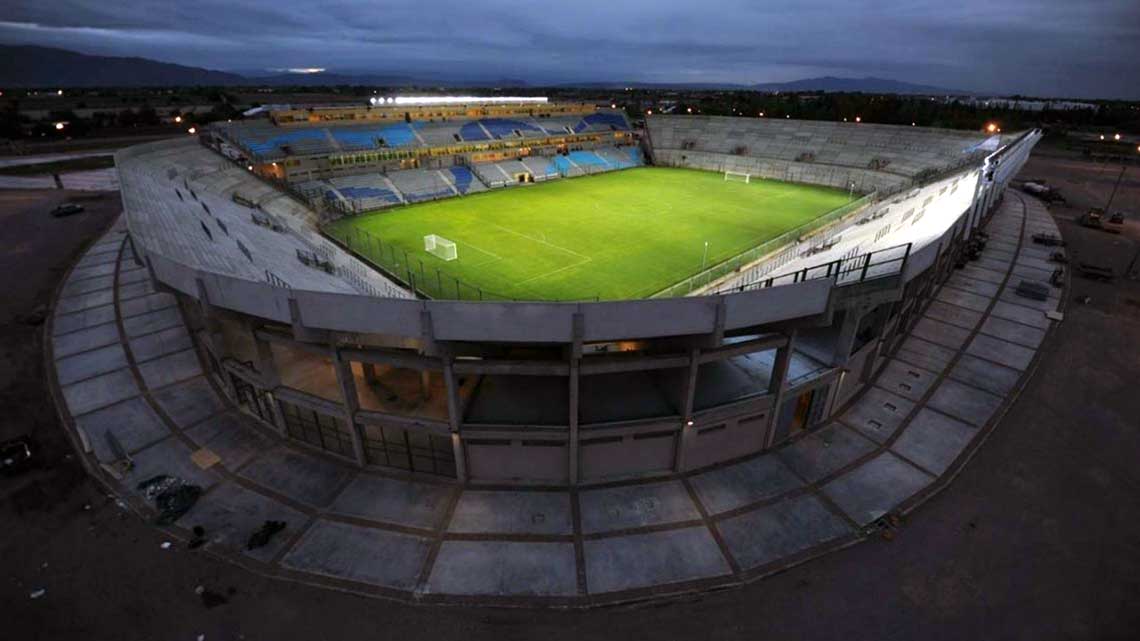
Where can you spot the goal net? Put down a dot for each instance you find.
(737, 176)
(440, 247)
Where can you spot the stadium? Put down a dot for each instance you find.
(528, 300)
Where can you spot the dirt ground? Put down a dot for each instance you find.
(1039, 538)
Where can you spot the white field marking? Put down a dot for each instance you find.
(562, 249)
(551, 273)
(480, 250)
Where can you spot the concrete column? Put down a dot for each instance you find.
(270, 377)
(454, 419)
(689, 394)
(572, 458)
(369, 373)
(425, 383)
(350, 403)
(779, 384)
(846, 339)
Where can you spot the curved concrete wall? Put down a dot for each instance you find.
(337, 325)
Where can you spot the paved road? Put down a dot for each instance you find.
(1039, 538)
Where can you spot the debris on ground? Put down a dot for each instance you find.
(199, 538)
(262, 536)
(210, 599)
(172, 496)
(35, 594)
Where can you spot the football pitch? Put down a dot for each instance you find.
(623, 234)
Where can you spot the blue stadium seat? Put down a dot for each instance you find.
(602, 120)
(500, 127)
(472, 131)
(462, 177)
(369, 192)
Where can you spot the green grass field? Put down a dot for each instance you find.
(625, 234)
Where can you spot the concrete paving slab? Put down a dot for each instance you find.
(97, 255)
(145, 304)
(739, 484)
(231, 513)
(877, 414)
(642, 560)
(420, 505)
(981, 273)
(1024, 272)
(86, 319)
(168, 341)
(189, 401)
(964, 402)
(87, 285)
(366, 555)
(1020, 314)
(876, 487)
(512, 512)
(170, 457)
(999, 351)
(906, 380)
(99, 391)
(985, 374)
(301, 477)
(87, 364)
(1050, 303)
(972, 285)
(824, 451)
(133, 275)
(80, 302)
(85, 339)
(129, 291)
(953, 314)
(152, 322)
(940, 333)
(504, 568)
(133, 423)
(934, 440)
(171, 368)
(963, 299)
(1013, 332)
(92, 269)
(925, 354)
(631, 506)
(228, 436)
(993, 263)
(777, 531)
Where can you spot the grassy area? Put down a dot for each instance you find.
(60, 166)
(625, 234)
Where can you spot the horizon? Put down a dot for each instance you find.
(1049, 50)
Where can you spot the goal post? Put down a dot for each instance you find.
(440, 247)
(737, 176)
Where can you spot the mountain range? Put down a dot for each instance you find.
(33, 66)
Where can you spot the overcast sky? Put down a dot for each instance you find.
(1042, 47)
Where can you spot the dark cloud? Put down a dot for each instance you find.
(1041, 47)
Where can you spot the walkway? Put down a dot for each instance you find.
(125, 363)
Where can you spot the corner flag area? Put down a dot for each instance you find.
(624, 234)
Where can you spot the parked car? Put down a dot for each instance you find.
(67, 209)
(16, 456)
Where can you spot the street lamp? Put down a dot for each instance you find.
(59, 126)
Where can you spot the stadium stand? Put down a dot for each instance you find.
(541, 168)
(874, 157)
(206, 229)
(422, 184)
(465, 181)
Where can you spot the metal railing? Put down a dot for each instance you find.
(847, 270)
(735, 263)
